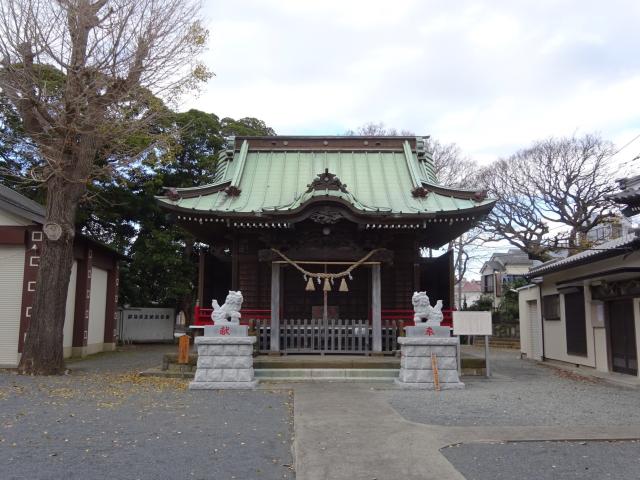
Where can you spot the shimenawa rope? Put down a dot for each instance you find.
(330, 276)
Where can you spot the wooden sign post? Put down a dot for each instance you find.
(183, 349)
(434, 366)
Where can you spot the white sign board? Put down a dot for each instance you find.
(472, 323)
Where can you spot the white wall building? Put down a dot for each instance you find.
(585, 309)
(92, 293)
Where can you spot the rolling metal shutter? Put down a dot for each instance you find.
(97, 306)
(535, 331)
(11, 277)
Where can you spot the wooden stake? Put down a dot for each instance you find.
(183, 349)
(434, 366)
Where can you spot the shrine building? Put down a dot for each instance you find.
(327, 238)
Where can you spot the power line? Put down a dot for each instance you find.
(629, 162)
(625, 146)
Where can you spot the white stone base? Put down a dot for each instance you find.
(223, 385)
(224, 362)
(416, 368)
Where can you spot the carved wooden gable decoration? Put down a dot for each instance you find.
(327, 181)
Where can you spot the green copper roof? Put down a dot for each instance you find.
(270, 181)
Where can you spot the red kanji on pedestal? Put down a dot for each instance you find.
(428, 331)
(225, 331)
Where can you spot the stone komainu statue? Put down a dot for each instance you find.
(421, 306)
(424, 311)
(230, 311)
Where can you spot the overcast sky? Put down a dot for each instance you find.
(491, 76)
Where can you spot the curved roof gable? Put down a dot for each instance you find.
(274, 175)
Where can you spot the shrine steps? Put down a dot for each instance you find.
(328, 361)
(314, 367)
(326, 368)
(326, 374)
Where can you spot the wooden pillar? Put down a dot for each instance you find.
(275, 307)
(83, 297)
(452, 281)
(376, 308)
(111, 311)
(235, 251)
(201, 259)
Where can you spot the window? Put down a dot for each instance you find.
(576, 326)
(487, 283)
(551, 307)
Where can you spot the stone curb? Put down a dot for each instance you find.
(223, 385)
(225, 340)
(432, 341)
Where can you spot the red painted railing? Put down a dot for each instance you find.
(407, 316)
(202, 316)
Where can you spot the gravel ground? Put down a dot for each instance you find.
(546, 460)
(522, 393)
(103, 421)
(125, 359)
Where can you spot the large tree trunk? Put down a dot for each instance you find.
(43, 346)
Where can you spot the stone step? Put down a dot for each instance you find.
(499, 342)
(326, 374)
(475, 368)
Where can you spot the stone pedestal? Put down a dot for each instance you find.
(224, 362)
(416, 369)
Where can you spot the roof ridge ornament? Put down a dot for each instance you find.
(172, 193)
(480, 195)
(420, 192)
(232, 191)
(327, 181)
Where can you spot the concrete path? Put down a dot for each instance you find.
(348, 431)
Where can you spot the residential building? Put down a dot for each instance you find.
(585, 309)
(613, 227)
(629, 195)
(468, 292)
(501, 270)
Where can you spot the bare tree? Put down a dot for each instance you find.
(84, 75)
(465, 250)
(572, 179)
(514, 217)
(452, 167)
(373, 129)
(557, 180)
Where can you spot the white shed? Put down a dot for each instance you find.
(92, 286)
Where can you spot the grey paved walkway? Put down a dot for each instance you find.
(349, 431)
